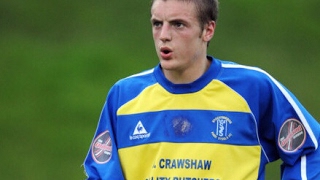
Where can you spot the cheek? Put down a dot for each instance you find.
(187, 42)
(155, 34)
(155, 39)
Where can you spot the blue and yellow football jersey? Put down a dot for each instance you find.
(226, 125)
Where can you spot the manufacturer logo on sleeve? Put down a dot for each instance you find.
(102, 148)
(292, 135)
(139, 132)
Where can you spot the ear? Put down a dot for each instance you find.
(208, 31)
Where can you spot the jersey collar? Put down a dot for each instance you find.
(212, 73)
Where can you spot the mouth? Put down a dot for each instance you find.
(165, 52)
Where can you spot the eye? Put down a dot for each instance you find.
(178, 24)
(156, 23)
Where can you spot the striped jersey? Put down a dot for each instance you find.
(226, 125)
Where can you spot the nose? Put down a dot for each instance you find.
(165, 34)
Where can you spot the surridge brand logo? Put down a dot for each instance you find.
(139, 132)
(292, 135)
(102, 148)
(221, 132)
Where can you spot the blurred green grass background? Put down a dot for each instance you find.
(59, 58)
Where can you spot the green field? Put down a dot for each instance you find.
(59, 58)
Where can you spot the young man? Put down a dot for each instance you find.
(194, 117)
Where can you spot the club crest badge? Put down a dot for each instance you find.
(102, 148)
(292, 135)
(221, 131)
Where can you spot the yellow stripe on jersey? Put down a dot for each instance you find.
(190, 160)
(215, 96)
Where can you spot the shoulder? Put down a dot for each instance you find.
(134, 84)
(245, 73)
(140, 79)
(249, 79)
(244, 69)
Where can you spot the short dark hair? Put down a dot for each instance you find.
(207, 10)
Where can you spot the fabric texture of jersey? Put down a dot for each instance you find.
(226, 125)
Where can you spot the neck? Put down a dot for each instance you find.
(186, 76)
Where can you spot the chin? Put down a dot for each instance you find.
(168, 65)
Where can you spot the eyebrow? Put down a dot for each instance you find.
(154, 19)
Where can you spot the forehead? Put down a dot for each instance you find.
(174, 9)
